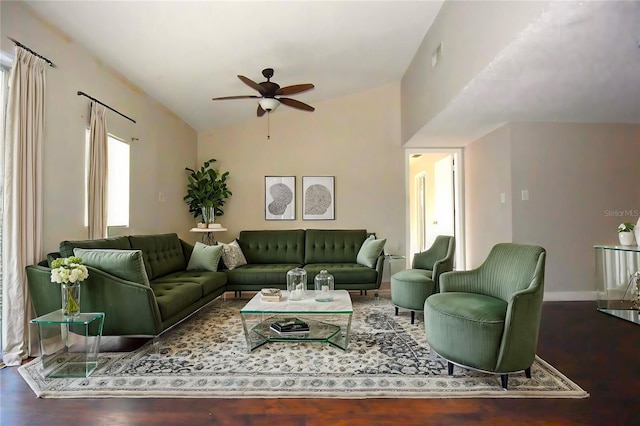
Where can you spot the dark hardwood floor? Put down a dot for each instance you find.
(599, 352)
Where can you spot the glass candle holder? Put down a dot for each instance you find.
(324, 286)
(297, 283)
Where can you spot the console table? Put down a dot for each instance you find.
(617, 278)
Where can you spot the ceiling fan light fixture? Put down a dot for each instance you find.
(269, 104)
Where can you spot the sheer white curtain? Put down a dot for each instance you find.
(23, 198)
(97, 182)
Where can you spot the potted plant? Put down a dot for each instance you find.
(625, 234)
(206, 192)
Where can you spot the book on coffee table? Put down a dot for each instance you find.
(270, 295)
(290, 326)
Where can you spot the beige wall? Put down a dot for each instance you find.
(164, 147)
(583, 180)
(487, 176)
(354, 138)
(472, 34)
(578, 176)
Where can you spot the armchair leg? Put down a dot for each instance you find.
(527, 372)
(450, 368)
(504, 378)
(413, 316)
(396, 311)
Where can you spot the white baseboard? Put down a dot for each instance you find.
(569, 296)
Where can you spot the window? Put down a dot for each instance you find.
(118, 182)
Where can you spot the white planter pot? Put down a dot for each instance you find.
(636, 231)
(626, 238)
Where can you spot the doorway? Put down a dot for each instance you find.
(434, 191)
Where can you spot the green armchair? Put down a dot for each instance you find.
(411, 287)
(488, 318)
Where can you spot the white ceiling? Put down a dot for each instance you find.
(579, 62)
(183, 53)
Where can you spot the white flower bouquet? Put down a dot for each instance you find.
(66, 270)
(70, 272)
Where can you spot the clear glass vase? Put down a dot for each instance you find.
(297, 283)
(70, 299)
(208, 215)
(324, 286)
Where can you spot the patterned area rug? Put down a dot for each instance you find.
(206, 357)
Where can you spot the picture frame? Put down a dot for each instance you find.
(279, 197)
(318, 198)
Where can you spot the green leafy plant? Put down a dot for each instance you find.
(626, 227)
(207, 188)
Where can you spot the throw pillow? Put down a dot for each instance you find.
(369, 251)
(125, 264)
(232, 255)
(204, 257)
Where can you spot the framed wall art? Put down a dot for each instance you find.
(279, 197)
(318, 198)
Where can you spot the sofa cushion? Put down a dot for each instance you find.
(273, 246)
(121, 243)
(125, 264)
(205, 257)
(333, 246)
(209, 281)
(162, 253)
(232, 255)
(172, 297)
(369, 252)
(343, 273)
(260, 274)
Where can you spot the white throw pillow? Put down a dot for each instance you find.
(232, 255)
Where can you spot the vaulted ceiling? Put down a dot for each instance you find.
(580, 61)
(183, 53)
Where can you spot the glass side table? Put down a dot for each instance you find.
(69, 346)
(617, 269)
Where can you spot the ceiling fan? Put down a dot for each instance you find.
(270, 94)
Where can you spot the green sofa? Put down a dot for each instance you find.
(147, 303)
(271, 254)
(133, 308)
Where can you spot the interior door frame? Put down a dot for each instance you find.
(458, 199)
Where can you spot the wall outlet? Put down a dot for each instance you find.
(525, 194)
(161, 197)
(503, 197)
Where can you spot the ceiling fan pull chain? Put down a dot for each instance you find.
(268, 126)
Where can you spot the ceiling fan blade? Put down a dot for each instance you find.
(297, 88)
(296, 104)
(235, 97)
(261, 111)
(252, 84)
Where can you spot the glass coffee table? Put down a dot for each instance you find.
(328, 321)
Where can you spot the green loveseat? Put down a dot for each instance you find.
(147, 298)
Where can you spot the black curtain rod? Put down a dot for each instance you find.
(51, 64)
(105, 105)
